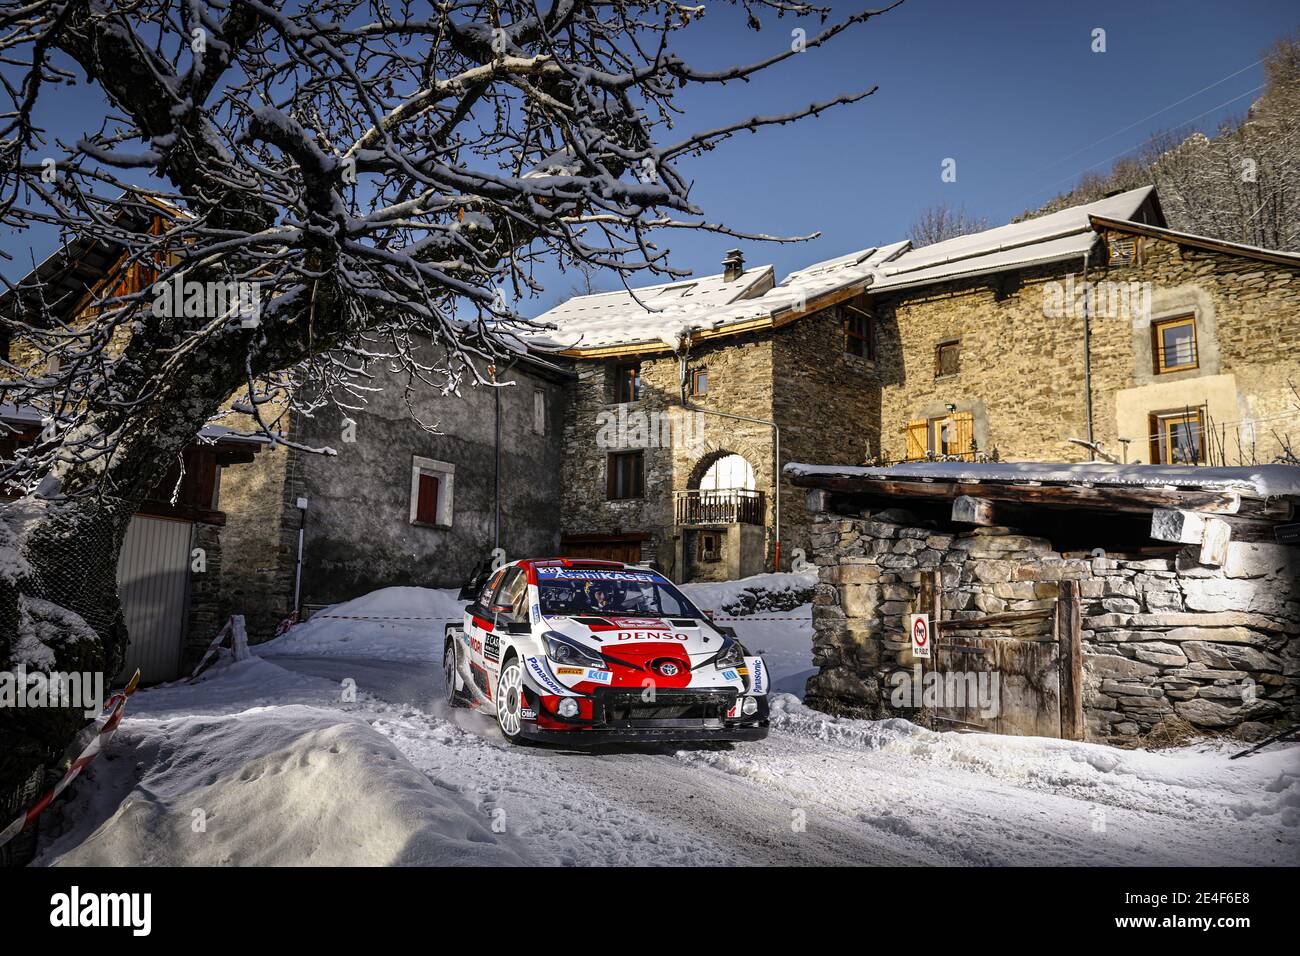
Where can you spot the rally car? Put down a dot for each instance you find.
(590, 652)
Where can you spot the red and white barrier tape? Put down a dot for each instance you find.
(104, 726)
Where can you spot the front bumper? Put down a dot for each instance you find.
(677, 714)
(598, 738)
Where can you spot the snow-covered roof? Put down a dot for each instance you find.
(1260, 480)
(1067, 234)
(654, 314)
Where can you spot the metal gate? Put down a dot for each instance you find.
(153, 581)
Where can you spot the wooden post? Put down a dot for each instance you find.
(1069, 627)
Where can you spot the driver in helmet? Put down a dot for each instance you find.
(601, 596)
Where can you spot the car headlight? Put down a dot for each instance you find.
(732, 655)
(563, 651)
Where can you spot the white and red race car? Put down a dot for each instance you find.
(593, 652)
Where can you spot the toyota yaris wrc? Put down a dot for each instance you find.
(592, 652)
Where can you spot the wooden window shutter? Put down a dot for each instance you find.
(426, 505)
(916, 436)
(963, 427)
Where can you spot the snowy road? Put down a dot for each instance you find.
(825, 792)
(287, 765)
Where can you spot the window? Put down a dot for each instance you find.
(947, 358)
(858, 337)
(431, 492)
(710, 546)
(539, 412)
(699, 383)
(1178, 438)
(1173, 344)
(485, 596)
(948, 435)
(625, 475)
(627, 382)
(511, 601)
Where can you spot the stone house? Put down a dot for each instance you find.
(1090, 333)
(170, 562)
(397, 503)
(1091, 601)
(685, 394)
(1094, 327)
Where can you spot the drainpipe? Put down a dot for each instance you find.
(496, 462)
(1087, 358)
(776, 431)
(297, 576)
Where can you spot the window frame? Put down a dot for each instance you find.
(444, 509)
(867, 336)
(539, 411)
(1160, 424)
(621, 370)
(611, 471)
(705, 556)
(954, 344)
(695, 375)
(1158, 327)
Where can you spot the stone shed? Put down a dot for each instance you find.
(1093, 601)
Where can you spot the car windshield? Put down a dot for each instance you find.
(629, 593)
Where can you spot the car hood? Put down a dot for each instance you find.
(608, 634)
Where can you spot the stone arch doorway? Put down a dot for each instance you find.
(721, 518)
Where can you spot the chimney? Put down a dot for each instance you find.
(733, 265)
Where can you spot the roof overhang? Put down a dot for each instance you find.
(1276, 256)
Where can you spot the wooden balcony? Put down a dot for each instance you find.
(726, 506)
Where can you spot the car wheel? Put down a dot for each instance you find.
(510, 700)
(454, 697)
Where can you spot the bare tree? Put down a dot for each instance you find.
(943, 221)
(382, 173)
(1242, 185)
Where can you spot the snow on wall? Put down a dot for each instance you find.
(1261, 480)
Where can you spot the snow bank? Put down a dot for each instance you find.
(391, 624)
(763, 611)
(1202, 776)
(1262, 480)
(289, 786)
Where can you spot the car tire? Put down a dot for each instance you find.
(510, 700)
(454, 697)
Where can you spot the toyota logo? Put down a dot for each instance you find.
(668, 668)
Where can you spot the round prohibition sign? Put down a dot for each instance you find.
(919, 635)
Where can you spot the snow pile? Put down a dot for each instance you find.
(290, 786)
(1201, 778)
(759, 594)
(392, 624)
(772, 616)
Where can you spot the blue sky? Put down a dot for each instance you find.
(1010, 89)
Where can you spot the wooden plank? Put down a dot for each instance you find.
(1133, 500)
(1214, 542)
(996, 620)
(1069, 628)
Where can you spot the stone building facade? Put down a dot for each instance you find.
(1162, 636)
(361, 528)
(791, 375)
(1019, 370)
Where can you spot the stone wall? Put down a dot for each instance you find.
(1022, 370)
(1162, 637)
(824, 400)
